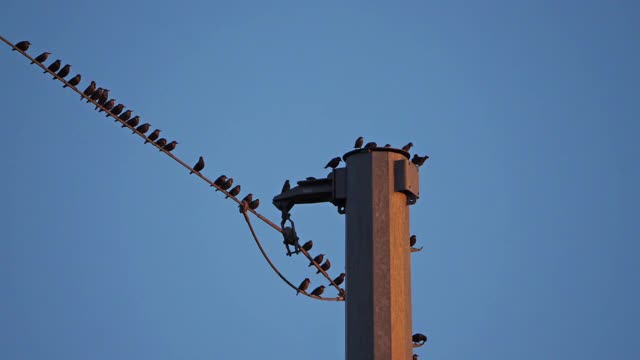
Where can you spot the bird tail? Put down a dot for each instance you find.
(44, 72)
(33, 62)
(65, 85)
(108, 116)
(54, 78)
(190, 172)
(146, 141)
(124, 125)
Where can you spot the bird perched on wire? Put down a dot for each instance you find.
(333, 163)
(254, 204)
(170, 146)
(198, 166)
(88, 92)
(338, 280)
(227, 184)
(108, 105)
(407, 147)
(96, 94)
(234, 192)
(153, 136)
(42, 57)
(318, 259)
(133, 122)
(318, 291)
(103, 97)
(220, 181)
(64, 71)
(370, 145)
(161, 142)
(419, 160)
(22, 45)
(74, 81)
(304, 285)
(307, 246)
(247, 199)
(419, 339)
(143, 128)
(359, 142)
(116, 110)
(326, 266)
(54, 66)
(412, 240)
(286, 187)
(125, 115)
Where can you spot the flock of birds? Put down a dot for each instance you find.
(416, 159)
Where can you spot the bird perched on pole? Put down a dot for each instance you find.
(326, 266)
(307, 246)
(108, 105)
(116, 110)
(286, 186)
(318, 259)
(415, 357)
(419, 160)
(359, 142)
(387, 145)
(22, 45)
(170, 146)
(54, 66)
(318, 291)
(234, 192)
(407, 147)
(125, 115)
(247, 199)
(339, 280)
(153, 136)
(133, 122)
(74, 81)
(333, 163)
(142, 129)
(198, 166)
(42, 57)
(96, 94)
(412, 240)
(64, 71)
(370, 145)
(161, 142)
(419, 339)
(304, 285)
(90, 90)
(254, 204)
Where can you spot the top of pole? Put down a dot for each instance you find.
(359, 151)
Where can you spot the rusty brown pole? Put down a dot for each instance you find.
(378, 301)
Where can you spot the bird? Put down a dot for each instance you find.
(359, 142)
(116, 110)
(326, 266)
(333, 163)
(96, 94)
(339, 280)
(318, 291)
(227, 184)
(108, 105)
(133, 122)
(54, 66)
(407, 147)
(42, 57)
(125, 115)
(103, 97)
(74, 81)
(419, 160)
(318, 259)
(22, 45)
(254, 204)
(199, 165)
(247, 199)
(220, 180)
(161, 142)
(234, 192)
(304, 285)
(412, 240)
(311, 178)
(370, 145)
(64, 71)
(153, 136)
(307, 246)
(286, 186)
(419, 338)
(170, 146)
(143, 128)
(387, 145)
(90, 90)
(415, 356)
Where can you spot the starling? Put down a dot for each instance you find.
(387, 145)
(133, 122)
(311, 178)
(370, 145)
(333, 163)
(234, 192)
(286, 186)
(64, 71)
(359, 142)
(415, 356)
(412, 240)
(318, 259)
(54, 66)
(103, 97)
(125, 115)
(407, 147)
(326, 266)
(116, 110)
(161, 142)
(318, 291)
(153, 136)
(419, 338)
(143, 128)
(308, 245)
(170, 146)
(74, 81)
(42, 57)
(220, 180)
(96, 94)
(304, 285)
(247, 199)
(227, 184)
(198, 166)
(419, 160)
(254, 204)
(108, 105)
(90, 90)
(22, 45)
(339, 280)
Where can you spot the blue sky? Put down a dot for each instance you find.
(529, 111)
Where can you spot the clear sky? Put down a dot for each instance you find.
(528, 215)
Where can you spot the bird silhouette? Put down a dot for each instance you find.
(339, 280)
(116, 110)
(74, 81)
(359, 142)
(108, 105)
(407, 147)
(96, 94)
(153, 136)
(22, 45)
(307, 246)
(412, 240)
(64, 71)
(54, 66)
(370, 145)
(103, 97)
(220, 181)
(304, 285)
(415, 356)
(143, 128)
(286, 186)
(170, 146)
(419, 338)
(318, 259)
(125, 115)
(133, 122)
(42, 57)
(387, 145)
(254, 204)
(318, 291)
(333, 163)
(199, 165)
(247, 199)
(227, 184)
(234, 192)
(326, 266)
(90, 90)
(419, 160)
(161, 142)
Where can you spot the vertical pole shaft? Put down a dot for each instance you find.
(378, 302)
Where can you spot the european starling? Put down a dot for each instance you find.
(304, 285)
(407, 147)
(419, 338)
(318, 291)
(74, 81)
(370, 145)
(42, 57)
(54, 66)
(415, 356)
(64, 71)
(311, 178)
(286, 186)
(170, 146)
(419, 160)
(199, 165)
(153, 136)
(235, 191)
(125, 115)
(318, 259)
(387, 145)
(220, 180)
(116, 110)
(108, 105)
(247, 199)
(308, 245)
(22, 45)
(254, 204)
(333, 163)
(359, 142)
(326, 266)
(144, 128)
(90, 90)
(161, 142)
(103, 97)
(339, 280)
(96, 94)
(133, 122)
(227, 184)
(412, 240)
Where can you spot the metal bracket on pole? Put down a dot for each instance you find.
(330, 189)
